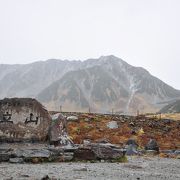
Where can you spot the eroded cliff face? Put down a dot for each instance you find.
(23, 119)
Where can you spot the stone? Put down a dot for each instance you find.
(167, 151)
(72, 118)
(112, 125)
(131, 147)
(152, 145)
(132, 142)
(46, 177)
(97, 151)
(68, 156)
(106, 152)
(4, 157)
(16, 160)
(23, 119)
(58, 132)
(177, 152)
(86, 141)
(32, 153)
(84, 153)
(131, 150)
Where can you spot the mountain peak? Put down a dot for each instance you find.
(101, 84)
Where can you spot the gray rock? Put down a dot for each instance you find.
(112, 125)
(4, 157)
(167, 151)
(132, 142)
(84, 153)
(152, 145)
(72, 118)
(99, 151)
(131, 150)
(46, 177)
(16, 160)
(32, 153)
(68, 156)
(177, 152)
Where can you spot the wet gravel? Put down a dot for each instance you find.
(138, 168)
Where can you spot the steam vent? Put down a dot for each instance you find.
(23, 119)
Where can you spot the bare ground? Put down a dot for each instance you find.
(146, 168)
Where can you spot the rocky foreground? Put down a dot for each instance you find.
(137, 168)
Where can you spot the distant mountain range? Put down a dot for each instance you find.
(97, 85)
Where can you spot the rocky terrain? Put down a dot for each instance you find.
(85, 145)
(118, 129)
(96, 85)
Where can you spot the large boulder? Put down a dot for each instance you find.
(98, 151)
(84, 153)
(23, 119)
(58, 135)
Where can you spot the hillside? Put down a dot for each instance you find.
(171, 108)
(109, 83)
(94, 127)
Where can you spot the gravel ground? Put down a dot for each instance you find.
(137, 168)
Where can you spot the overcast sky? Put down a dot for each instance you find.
(142, 32)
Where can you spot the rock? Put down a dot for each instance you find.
(46, 177)
(4, 157)
(72, 118)
(86, 141)
(132, 142)
(23, 119)
(58, 132)
(152, 145)
(56, 151)
(98, 151)
(67, 156)
(177, 152)
(16, 160)
(87, 120)
(56, 116)
(32, 153)
(131, 147)
(131, 150)
(167, 121)
(84, 153)
(106, 152)
(167, 151)
(112, 125)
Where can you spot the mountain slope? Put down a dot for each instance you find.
(108, 83)
(99, 85)
(30, 79)
(171, 108)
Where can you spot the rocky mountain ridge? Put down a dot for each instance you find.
(98, 85)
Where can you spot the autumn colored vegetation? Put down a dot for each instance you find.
(94, 127)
